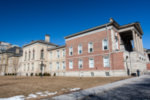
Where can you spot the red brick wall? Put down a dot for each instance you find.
(148, 66)
(117, 61)
(97, 54)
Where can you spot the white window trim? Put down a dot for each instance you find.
(58, 54)
(72, 64)
(63, 65)
(93, 63)
(50, 65)
(80, 47)
(80, 63)
(63, 53)
(103, 44)
(70, 49)
(104, 61)
(89, 47)
(58, 65)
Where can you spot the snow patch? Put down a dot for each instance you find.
(74, 89)
(31, 96)
(22, 97)
(52, 93)
(39, 93)
(19, 97)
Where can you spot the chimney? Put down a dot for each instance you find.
(111, 20)
(17, 50)
(47, 38)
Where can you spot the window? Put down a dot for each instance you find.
(105, 44)
(57, 65)
(70, 51)
(42, 54)
(58, 54)
(70, 64)
(106, 61)
(64, 53)
(116, 41)
(33, 54)
(50, 65)
(32, 66)
(24, 67)
(91, 63)
(63, 65)
(90, 47)
(28, 67)
(80, 64)
(29, 54)
(79, 49)
(51, 55)
(25, 55)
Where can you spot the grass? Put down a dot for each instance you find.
(11, 86)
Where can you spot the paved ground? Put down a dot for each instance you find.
(137, 88)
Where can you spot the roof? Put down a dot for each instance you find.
(12, 51)
(112, 22)
(56, 48)
(40, 41)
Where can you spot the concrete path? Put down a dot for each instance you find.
(137, 88)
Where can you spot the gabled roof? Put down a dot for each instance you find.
(112, 22)
(55, 48)
(40, 41)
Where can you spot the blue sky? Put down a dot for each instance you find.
(24, 20)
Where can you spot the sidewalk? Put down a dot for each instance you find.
(98, 89)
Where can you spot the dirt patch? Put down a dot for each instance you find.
(11, 86)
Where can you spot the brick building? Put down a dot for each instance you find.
(106, 50)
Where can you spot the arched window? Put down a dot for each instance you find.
(25, 58)
(42, 54)
(33, 54)
(29, 54)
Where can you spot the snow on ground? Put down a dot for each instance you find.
(74, 89)
(19, 97)
(30, 96)
(37, 94)
(52, 93)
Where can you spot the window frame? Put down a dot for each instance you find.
(63, 52)
(103, 44)
(58, 54)
(63, 65)
(90, 63)
(106, 62)
(70, 61)
(58, 65)
(90, 47)
(70, 50)
(80, 48)
(80, 62)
